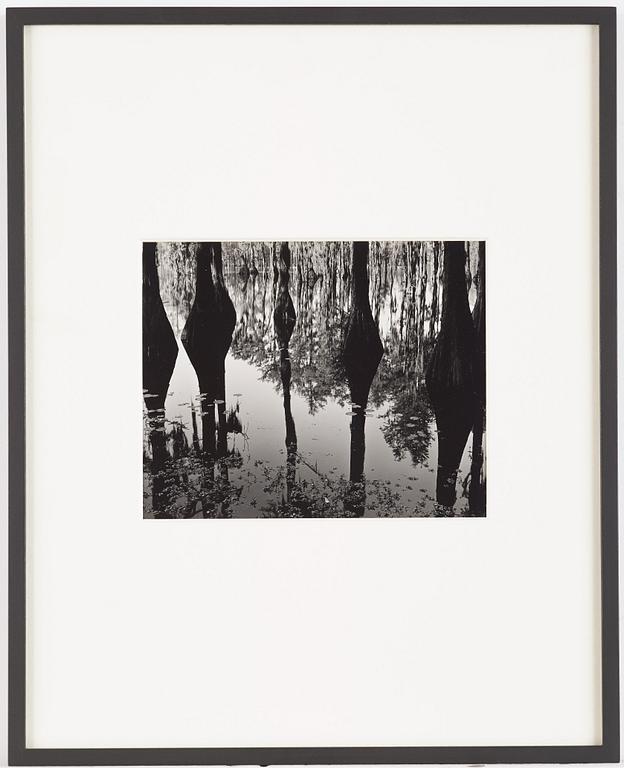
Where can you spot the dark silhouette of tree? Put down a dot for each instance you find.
(477, 484)
(449, 375)
(159, 355)
(207, 336)
(284, 319)
(159, 345)
(362, 351)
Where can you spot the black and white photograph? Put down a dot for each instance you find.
(282, 311)
(314, 379)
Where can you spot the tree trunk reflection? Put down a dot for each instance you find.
(362, 352)
(449, 375)
(159, 355)
(477, 481)
(207, 337)
(284, 319)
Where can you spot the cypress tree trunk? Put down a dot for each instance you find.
(449, 375)
(284, 319)
(361, 354)
(476, 496)
(207, 336)
(160, 349)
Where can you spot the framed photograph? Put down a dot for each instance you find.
(312, 340)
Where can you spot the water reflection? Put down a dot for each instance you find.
(207, 337)
(284, 319)
(361, 354)
(477, 474)
(309, 378)
(449, 376)
(160, 351)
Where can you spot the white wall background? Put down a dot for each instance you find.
(536, 195)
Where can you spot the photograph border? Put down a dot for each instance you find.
(602, 17)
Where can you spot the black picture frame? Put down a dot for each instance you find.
(605, 19)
